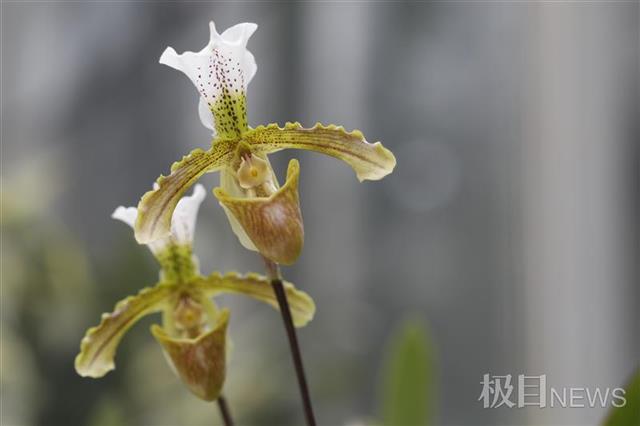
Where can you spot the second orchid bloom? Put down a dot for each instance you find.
(264, 216)
(193, 331)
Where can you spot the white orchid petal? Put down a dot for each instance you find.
(171, 58)
(127, 215)
(250, 67)
(239, 33)
(221, 72)
(183, 221)
(206, 117)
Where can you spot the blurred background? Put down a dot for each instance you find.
(509, 228)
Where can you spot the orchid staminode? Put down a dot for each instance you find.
(193, 331)
(264, 216)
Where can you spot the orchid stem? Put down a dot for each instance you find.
(283, 303)
(224, 411)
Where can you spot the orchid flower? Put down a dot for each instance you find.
(193, 331)
(264, 216)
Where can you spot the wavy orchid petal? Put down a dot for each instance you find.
(155, 210)
(369, 161)
(274, 223)
(221, 72)
(259, 287)
(98, 347)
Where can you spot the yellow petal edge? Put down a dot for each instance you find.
(156, 206)
(98, 347)
(259, 287)
(370, 161)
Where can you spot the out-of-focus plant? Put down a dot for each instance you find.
(408, 377)
(265, 217)
(629, 413)
(193, 332)
(45, 270)
(107, 413)
(407, 388)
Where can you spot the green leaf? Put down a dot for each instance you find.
(407, 393)
(629, 414)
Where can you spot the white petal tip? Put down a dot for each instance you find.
(168, 57)
(127, 215)
(239, 33)
(199, 192)
(183, 222)
(212, 28)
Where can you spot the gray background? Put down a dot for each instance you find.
(510, 225)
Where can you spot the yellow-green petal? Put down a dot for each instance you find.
(156, 207)
(98, 347)
(274, 223)
(259, 287)
(369, 161)
(201, 362)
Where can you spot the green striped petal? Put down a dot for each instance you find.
(369, 161)
(259, 287)
(98, 347)
(156, 207)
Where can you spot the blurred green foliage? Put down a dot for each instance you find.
(44, 276)
(107, 412)
(52, 290)
(629, 415)
(408, 377)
